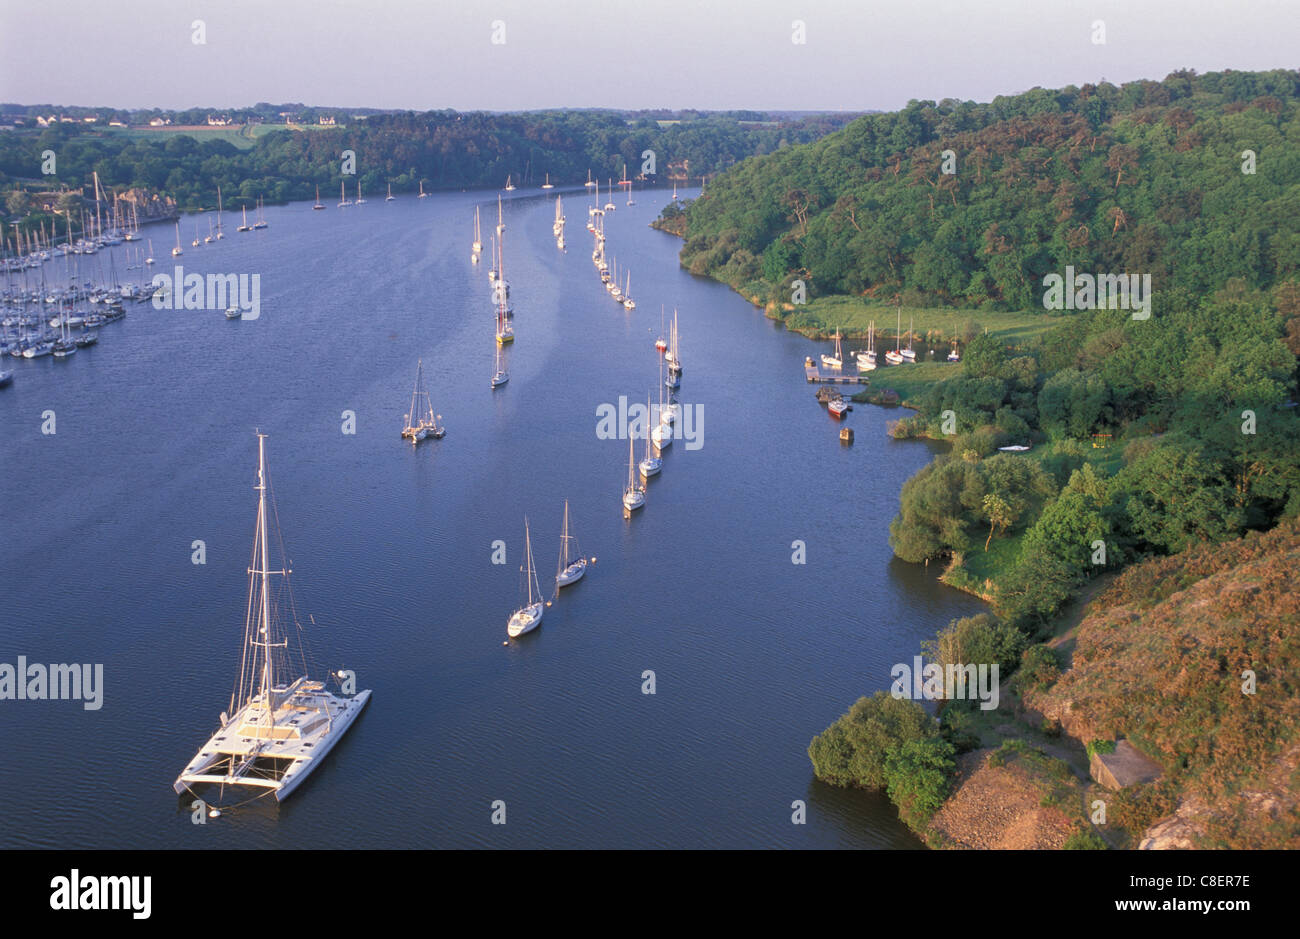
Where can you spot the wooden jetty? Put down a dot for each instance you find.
(814, 374)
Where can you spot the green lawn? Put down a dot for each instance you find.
(909, 379)
(852, 315)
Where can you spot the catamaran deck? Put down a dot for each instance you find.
(274, 750)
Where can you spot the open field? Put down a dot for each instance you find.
(241, 135)
(852, 315)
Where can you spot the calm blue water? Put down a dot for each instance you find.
(391, 549)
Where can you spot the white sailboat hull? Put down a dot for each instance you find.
(571, 574)
(525, 620)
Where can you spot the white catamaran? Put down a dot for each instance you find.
(529, 616)
(279, 727)
(421, 423)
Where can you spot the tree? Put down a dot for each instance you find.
(999, 513)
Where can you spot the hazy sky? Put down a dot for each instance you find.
(421, 54)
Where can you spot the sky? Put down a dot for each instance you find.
(706, 54)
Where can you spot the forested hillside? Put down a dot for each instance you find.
(1148, 177)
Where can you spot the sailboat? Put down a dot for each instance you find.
(673, 355)
(661, 343)
(261, 220)
(557, 227)
(894, 356)
(662, 434)
(64, 346)
(633, 495)
(211, 235)
(505, 332)
(343, 197)
(529, 616)
(423, 194)
(245, 226)
(359, 200)
(954, 355)
(908, 353)
(510, 187)
(421, 422)
(196, 242)
(651, 465)
(570, 569)
(835, 361)
(278, 728)
(176, 251)
(500, 376)
(220, 234)
(547, 184)
(628, 302)
(610, 206)
(674, 190)
(867, 358)
(589, 183)
(390, 197)
(319, 205)
(149, 260)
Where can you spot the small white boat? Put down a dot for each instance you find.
(954, 356)
(500, 376)
(835, 361)
(547, 184)
(319, 205)
(571, 567)
(390, 197)
(633, 495)
(510, 187)
(529, 616)
(233, 313)
(176, 251)
(423, 194)
(908, 354)
(343, 202)
(867, 358)
(837, 407)
(651, 465)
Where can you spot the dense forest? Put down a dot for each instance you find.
(972, 204)
(1139, 438)
(442, 150)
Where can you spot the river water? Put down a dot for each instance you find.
(392, 547)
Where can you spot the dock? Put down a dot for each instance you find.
(814, 374)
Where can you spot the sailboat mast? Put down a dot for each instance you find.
(266, 574)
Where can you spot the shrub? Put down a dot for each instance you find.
(917, 775)
(852, 751)
(1084, 841)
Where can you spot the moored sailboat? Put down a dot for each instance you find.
(571, 567)
(421, 422)
(278, 728)
(529, 616)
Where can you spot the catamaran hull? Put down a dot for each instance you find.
(297, 773)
